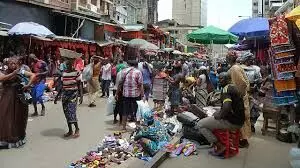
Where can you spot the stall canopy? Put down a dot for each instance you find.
(137, 42)
(212, 35)
(149, 46)
(30, 28)
(251, 28)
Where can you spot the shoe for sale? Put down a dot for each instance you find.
(102, 96)
(92, 105)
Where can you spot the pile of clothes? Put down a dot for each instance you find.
(186, 148)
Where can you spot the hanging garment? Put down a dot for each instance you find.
(279, 31)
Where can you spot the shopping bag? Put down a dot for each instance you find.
(142, 108)
(87, 72)
(111, 104)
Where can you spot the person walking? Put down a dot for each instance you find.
(14, 106)
(93, 83)
(106, 78)
(131, 86)
(40, 69)
(239, 78)
(70, 93)
(146, 70)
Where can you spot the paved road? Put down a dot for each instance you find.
(47, 149)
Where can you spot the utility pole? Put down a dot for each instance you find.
(262, 8)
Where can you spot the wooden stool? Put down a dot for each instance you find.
(230, 139)
(271, 113)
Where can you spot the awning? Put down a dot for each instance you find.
(87, 18)
(65, 38)
(42, 38)
(104, 43)
(134, 27)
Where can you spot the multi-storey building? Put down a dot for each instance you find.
(191, 12)
(76, 18)
(260, 8)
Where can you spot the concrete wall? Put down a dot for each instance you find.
(16, 12)
(189, 12)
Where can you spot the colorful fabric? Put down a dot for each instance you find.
(79, 64)
(279, 31)
(40, 67)
(157, 135)
(70, 80)
(132, 83)
(69, 103)
(120, 67)
(201, 96)
(37, 92)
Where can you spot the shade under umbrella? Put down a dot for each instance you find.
(149, 46)
(30, 28)
(212, 35)
(251, 28)
(137, 42)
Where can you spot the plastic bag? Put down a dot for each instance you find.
(111, 104)
(142, 107)
(87, 72)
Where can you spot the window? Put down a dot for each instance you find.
(255, 3)
(118, 18)
(176, 31)
(124, 20)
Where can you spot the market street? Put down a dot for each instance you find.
(45, 147)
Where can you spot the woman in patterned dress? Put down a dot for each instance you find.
(14, 106)
(71, 83)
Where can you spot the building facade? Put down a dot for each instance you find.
(260, 8)
(190, 12)
(176, 30)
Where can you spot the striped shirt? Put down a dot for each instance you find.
(133, 82)
(70, 79)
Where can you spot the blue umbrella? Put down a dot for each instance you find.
(30, 28)
(251, 28)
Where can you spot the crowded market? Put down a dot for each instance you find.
(163, 98)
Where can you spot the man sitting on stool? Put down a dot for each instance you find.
(231, 115)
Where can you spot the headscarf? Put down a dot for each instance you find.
(148, 117)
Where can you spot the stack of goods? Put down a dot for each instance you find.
(160, 87)
(282, 54)
(113, 149)
(186, 148)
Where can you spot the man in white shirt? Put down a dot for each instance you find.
(106, 78)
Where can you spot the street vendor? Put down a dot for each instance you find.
(240, 80)
(152, 136)
(231, 116)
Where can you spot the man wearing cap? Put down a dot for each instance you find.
(239, 78)
(40, 69)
